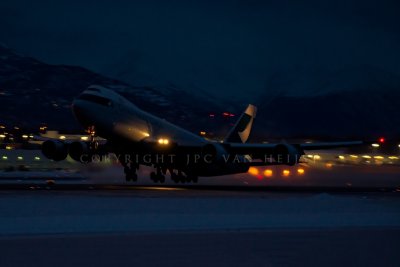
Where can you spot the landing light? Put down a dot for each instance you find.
(163, 141)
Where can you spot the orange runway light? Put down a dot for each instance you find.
(328, 165)
(300, 171)
(253, 171)
(268, 173)
(285, 173)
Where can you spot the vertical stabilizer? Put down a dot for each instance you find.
(241, 131)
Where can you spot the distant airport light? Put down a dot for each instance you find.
(62, 137)
(9, 147)
(382, 140)
(212, 115)
(317, 157)
(2, 136)
(399, 145)
(37, 158)
(253, 171)
(393, 157)
(354, 156)
(375, 145)
(31, 136)
(300, 171)
(366, 157)
(285, 172)
(379, 157)
(202, 133)
(16, 127)
(25, 136)
(341, 157)
(20, 158)
(2, 127)
(4, 157)
(84, 138)
(268, 173)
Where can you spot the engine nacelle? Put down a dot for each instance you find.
(55, 150)
(213, 153)
(287, 154)
(80, 151)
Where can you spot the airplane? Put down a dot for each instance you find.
(138, 138)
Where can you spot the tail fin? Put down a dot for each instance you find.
(241, 131)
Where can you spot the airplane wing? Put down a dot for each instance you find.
(248, 148)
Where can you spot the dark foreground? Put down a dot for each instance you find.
(187, 227)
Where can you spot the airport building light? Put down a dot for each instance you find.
(300, 171)
(20, 158)
(37, 158)
(4, 157)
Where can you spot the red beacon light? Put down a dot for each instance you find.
(381, 140)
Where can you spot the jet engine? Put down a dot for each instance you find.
(213, 153)
(80, 151)
(55, 150)
(287, 154)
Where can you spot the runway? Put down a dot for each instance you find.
(153, 226)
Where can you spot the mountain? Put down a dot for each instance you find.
(354, 102)
(34, 93)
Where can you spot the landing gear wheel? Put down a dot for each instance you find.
(130, 174)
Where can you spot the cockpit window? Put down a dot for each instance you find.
(96, 99)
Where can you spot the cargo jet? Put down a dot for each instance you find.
(137, 137)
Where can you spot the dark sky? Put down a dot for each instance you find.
(219, 46)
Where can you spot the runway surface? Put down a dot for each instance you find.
(153, 226)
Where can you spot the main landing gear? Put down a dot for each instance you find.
(130, 171)
(181, 178)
